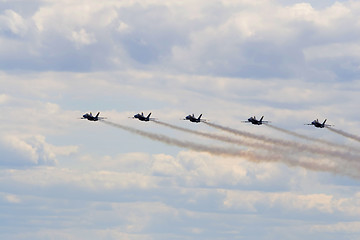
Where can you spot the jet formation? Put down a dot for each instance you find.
(192, 118)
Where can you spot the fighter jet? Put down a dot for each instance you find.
(141, 117)
(317, 124)
(192, 118)
(90, 117)
(253, 120)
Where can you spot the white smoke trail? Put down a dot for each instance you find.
(324, 142)
(295, 146)
(190, 145)
(217, 137)
(297, 134)
(345, 134)
(317, 165)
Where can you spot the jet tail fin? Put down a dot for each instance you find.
(97, 115)
(199, 117)
(261, 118)
(148, 116)
(324, 121)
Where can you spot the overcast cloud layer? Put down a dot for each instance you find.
(257, 39)
(291, 61)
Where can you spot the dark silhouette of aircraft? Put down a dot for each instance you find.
(317, 124)
(253, 120)
(141, 117)
(90, 117)
(192, 118)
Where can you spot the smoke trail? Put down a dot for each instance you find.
(297, 147)
(274, 148)
(247, 134)
(345, 134)
(346, 148)
(217, 137)
(297, 134)
(190, 145)
(319, 165)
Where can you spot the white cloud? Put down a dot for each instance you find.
(332, 51)
(65, 15)
(3, 98)
(244, 39)
(290, 201)
(166, 165)
(34, 150)
(96, 181)
(12, 198)
(82, 37)
(26, 150)
(341, 227)
(13, 22)
(125, 195)
(139, 171)
(123, 27)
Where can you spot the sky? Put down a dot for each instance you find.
(63, 177)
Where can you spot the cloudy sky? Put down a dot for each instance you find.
(291, 61)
